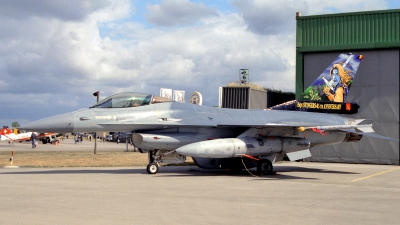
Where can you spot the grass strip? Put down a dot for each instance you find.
(77, 159)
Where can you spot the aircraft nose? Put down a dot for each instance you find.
(60, 123)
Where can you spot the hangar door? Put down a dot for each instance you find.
(376, 90)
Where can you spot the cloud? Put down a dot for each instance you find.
(317, 7)
(178, 12)
(74, 10)
(270, 17)
(278, 18)
(51, 62)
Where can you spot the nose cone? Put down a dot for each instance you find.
(60, 123)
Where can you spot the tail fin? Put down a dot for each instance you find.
(5, 131)
(328, 93)
(6, 134)
(334, 83)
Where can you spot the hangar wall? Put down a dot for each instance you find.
(376, 90)
(375, 35)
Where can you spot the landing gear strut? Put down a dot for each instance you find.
(152, 167)
(264, 167)
(160, 156)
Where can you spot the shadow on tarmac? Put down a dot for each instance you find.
(181, 171)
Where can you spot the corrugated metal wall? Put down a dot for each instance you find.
(376, 90)
(344, 32)
(243, 98)
(361, 28)
(235, 98)
(377, 35)
(247, 98)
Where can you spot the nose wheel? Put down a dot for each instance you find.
(152, 167)
(155, 158)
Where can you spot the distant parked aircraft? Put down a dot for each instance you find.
(7, 135)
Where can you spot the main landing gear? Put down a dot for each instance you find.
(264, 167)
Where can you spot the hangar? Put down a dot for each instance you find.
(376, 35)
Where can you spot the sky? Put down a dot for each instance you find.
(55, 54)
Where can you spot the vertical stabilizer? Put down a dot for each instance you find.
(328, 93)
(334, 83)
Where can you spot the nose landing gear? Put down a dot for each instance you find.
(152, 168)
(154, 157)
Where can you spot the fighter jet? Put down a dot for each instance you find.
(169, 131)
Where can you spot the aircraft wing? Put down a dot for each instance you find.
(173, 124)
(361, 129)
(226, 120)
(163, 123)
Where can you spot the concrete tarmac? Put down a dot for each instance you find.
(299, 193)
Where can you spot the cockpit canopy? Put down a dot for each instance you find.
(130, 99)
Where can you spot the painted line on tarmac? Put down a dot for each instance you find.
(376, 174)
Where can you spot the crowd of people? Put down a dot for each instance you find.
(78, 138)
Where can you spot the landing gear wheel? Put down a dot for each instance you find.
(264, 167)
(152, 168)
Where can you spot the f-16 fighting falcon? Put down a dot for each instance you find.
(169, 131)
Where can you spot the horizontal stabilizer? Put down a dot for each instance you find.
(377, 136)
(293, 156)
(364, 128)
